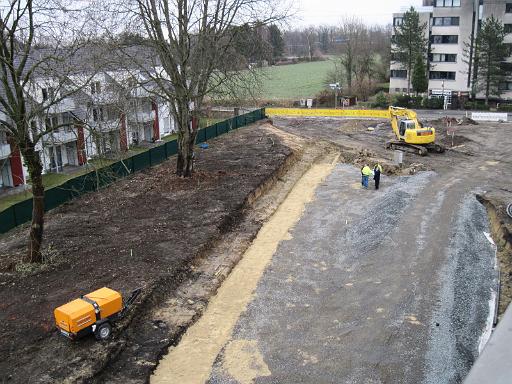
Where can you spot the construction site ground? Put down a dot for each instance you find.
(144, 231)
(344, 285)
(330, 283)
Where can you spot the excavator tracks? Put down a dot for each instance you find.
(421, 150)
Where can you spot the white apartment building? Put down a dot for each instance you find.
(452, 26)
(109, 115)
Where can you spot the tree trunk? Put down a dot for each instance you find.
(185, 163)
(186, 140)
(35, 169)
(348, 69)
(488, 83)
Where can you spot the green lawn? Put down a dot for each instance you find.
(7, 201)
(295, 81)
(49, 180)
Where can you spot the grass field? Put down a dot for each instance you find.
(296, 81)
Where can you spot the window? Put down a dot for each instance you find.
(441, 75)
(399, 73)
(67, 121)
(395, 56)
(443, 58)
(397, 89)
(112, 114)
(506, 67)
(97, 114)
(48, 93)
(447, 3)
(506, 86)
(507, 28)
(95, 87)
(52, 123)
(444, 39)
(132, 82)
(508, 8)
(397, 21)
(446, 21)
(509, 49)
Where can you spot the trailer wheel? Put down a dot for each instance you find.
(103, 332)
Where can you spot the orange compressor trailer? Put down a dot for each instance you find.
(92, 313)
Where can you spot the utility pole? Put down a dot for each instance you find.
(335, 87)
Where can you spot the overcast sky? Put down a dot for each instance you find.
(317, 12)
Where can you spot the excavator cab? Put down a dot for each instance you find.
(405, 125)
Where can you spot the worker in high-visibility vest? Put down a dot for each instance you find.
(377, 170)
(365, 175)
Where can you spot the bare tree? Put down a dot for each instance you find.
(35, 55)
(311, 41)
(352, 32)
(193, 41)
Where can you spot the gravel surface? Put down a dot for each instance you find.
(469, 274)
(356, 293)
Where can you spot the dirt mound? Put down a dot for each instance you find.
(451, 121)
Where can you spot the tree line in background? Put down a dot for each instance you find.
(361, 53)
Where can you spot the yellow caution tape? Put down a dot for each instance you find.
(384, 114)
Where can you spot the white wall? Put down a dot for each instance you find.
(167, 123)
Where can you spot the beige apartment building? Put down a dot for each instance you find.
(452, 26)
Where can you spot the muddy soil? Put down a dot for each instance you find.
(143, 231)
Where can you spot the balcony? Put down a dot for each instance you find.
(5, 151)
(65, 105)
(63, 135)
(141, 116)
(105, 97)
(105, 126)
(139, 92)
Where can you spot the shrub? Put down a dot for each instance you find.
(476, 105)
(505, 108)
(416, 102)
(325, 98)
(381, 101)
(403, 101)
(433, 102)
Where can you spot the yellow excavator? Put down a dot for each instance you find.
(411, 135)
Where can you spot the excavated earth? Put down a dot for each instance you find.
(145, 231)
